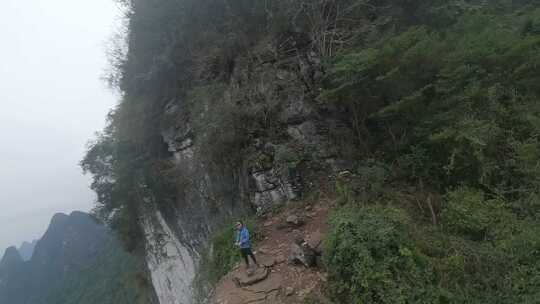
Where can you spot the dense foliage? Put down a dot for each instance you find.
(372, 259)
(451, 116)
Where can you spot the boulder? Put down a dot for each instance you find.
(289, 291)
(263, 250)
(314, 241)
(280, 259)
(294, 220)
(266, 260)
(270, 284)
(242, 279)
(303, 254)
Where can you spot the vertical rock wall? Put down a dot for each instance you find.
(171, 263)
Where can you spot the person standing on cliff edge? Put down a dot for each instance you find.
(242, 241)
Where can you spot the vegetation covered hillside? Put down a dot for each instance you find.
(77, 261)
(444, 209)
(433, 106)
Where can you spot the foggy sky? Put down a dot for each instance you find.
(52, 55)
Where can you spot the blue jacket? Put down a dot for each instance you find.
(242, 237)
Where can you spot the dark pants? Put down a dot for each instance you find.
(246, 252)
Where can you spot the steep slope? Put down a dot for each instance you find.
(234, 129)
(290, 263)
(420, 115)
(220, 117)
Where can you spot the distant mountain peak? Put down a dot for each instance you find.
(69, 262)
(59, 218)
(11, 258)
(79, 213)
(70, 240)
(27, 249)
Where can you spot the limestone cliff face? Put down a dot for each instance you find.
(211, 194)
(170, 262)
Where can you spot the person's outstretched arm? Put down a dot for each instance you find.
(237, 238)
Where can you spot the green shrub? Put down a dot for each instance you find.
(469, 213)
(367, 183)
(344, 191)
(216, 260)
(219, 258)
(379, 254)
(454, 112)
(451, 106)
(372, 179)
(287, 156)
(523, 249)
(371, 258)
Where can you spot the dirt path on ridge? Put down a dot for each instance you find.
(279, 281)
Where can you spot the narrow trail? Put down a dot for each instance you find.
(291, 242)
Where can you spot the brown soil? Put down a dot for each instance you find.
(286, 283)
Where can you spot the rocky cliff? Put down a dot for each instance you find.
(219, 117)
(239, 107)
(216, 194)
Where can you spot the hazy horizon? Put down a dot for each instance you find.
(53, 102)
